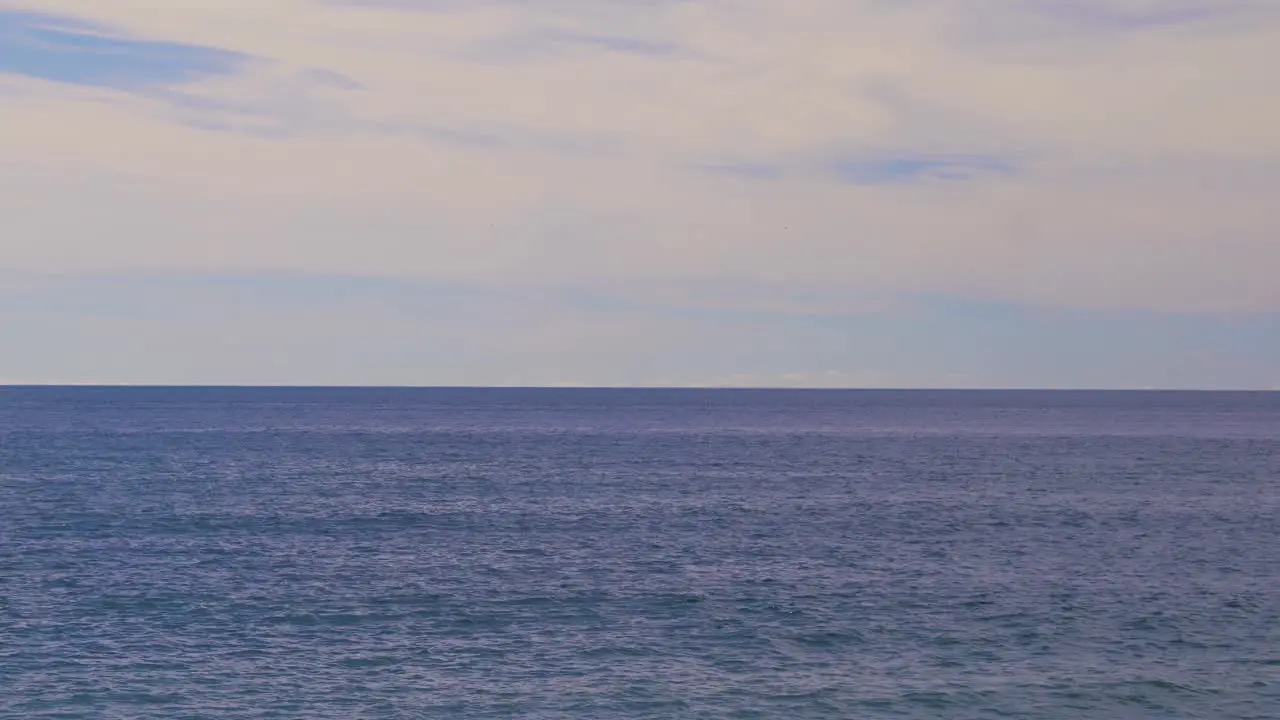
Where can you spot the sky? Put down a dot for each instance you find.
(784, 193)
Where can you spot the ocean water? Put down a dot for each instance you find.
(309, 553)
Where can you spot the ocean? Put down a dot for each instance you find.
(625, 554)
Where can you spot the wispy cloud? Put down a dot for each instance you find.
(1127, 15)
(882, 168)
(522, 46)
(918, 168)
(67, 50)
(747, 170)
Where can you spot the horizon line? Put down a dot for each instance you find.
(739, 388)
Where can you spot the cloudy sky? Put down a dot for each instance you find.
(957, 193)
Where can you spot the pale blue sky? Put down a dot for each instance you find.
(934, 193)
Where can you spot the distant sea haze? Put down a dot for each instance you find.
(626, 554)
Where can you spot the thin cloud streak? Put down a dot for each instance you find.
(68, 50)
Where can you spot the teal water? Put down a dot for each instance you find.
(273, 553)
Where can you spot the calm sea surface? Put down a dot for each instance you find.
(277, 553)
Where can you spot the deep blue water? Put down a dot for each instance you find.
(264, 553)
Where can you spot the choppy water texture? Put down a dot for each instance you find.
(638, 554)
